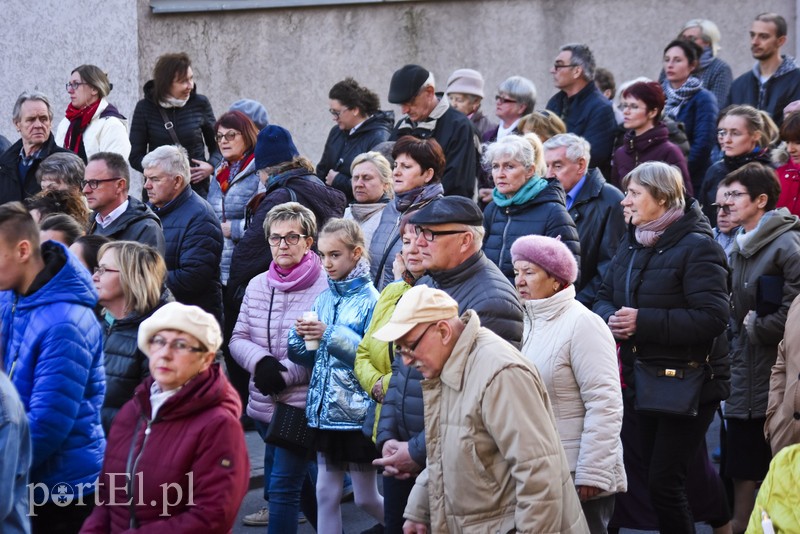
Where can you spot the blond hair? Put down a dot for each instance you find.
(142, 273)
(348, 231)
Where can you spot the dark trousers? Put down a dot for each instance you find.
(668, 446)
(395, 497)
(54, 519)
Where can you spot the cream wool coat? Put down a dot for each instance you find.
(103, 134)
(495, 463)
(576, 356)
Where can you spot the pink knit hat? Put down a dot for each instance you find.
(548, 253)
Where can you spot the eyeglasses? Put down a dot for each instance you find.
(178, 346)
(73, 86)
(228, 136)
(407, 352)
(94, 184)
(336, 112)
(721, 133)
(724, 208)
(100, 271)
(291, 239)
(564, 65)
(429, 235)
(632, 107)
(733, 195)
(503, 100)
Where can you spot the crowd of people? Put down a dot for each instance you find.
(525, 325)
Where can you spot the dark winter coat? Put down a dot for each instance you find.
(652, 145)
(52, 347)
(193, 251)
(699, 118)
(717, 172)
(195, 445)
(482, 123)
(597, 213)
(773, 251)
(252, 254)
(590, 115)
(136, 223)
(680, 288)
(12, 187)
(125, 365)
(402, 413)
(459, 140)
(342, 147)
(778, 91)
(545, 214)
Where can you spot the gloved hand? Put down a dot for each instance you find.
(267, 378)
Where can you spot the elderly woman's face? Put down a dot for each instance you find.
(408, 174)
(176, 357)
(231, 143)
(533, 282)
(367, 185)
(281, 236)
(182, 86)
(463, 103)
(745, 211)
(639, 206)
(509, 175)
(412, 256)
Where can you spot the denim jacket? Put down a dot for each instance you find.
(15, 460)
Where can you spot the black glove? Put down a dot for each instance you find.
(267, 378)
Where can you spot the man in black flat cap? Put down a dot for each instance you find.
(426, 116)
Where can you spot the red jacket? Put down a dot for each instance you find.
(195, 448)
(789, 175)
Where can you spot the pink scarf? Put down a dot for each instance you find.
(301, 276)
(648, 233)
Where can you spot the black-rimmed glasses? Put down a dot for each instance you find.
(407, 352)
(94, 184)
(429, 235)
(291, 239)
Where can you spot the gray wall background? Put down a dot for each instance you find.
(289, 58)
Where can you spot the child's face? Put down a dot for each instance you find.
(337, 259)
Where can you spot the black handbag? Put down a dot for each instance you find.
(668, 390)
(289, 428)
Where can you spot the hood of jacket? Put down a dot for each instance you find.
(380, 120)
(655, 136)
(777, 223)
(208, 389)
(63, 279)
(787, 65)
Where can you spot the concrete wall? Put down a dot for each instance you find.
(289, 58)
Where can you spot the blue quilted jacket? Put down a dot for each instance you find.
(53, 351)
(336, 400)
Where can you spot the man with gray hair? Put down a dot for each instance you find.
(593, 204)
(33, 119)
(581, 105)
(426, 116)
(118, 215)
(192, 230)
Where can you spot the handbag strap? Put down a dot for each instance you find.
(169, 126)
(269, 321)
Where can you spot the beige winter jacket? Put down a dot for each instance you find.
(576, 356)
(783, 409)
(495, 463)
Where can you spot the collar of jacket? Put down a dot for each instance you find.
(175, 203)
(591, 188)
(460, 273)
(343, 288)
(652, 137)
(455, 367)
(430, 122)
(693, 220)
(551, 307)
(769, 228)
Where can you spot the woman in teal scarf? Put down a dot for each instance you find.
(523, 202)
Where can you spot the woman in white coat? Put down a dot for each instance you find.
(574, 351)
(91, 124)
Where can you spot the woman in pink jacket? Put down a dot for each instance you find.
(272, 303)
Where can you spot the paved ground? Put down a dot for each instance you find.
(354, 520)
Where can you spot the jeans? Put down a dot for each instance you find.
(395, 497)
(287, 487)
(668, 446)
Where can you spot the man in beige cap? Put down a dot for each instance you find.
(495, 462)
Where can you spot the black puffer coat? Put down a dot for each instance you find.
(125, 365)
(718, 171)
(403, 413)
(680, 287)
(545, 214)
(137, 223)
(342, 147)
(11, 188)
(193, 239)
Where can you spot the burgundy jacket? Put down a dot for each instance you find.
(195, 444)
(653, 145)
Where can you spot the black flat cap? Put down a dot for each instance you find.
(406, 83)
(453, 209)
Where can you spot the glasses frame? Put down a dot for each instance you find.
(407, 352)
(557, 66)
(100, 270)
(733, 196)
(336, 113)
(724, 208)
(501, 99)
(285, 238)
(229, 136)
(172, 345)
(419, 230)
(74, 85)
(94, 184)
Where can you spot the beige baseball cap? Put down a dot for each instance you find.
(418, 305)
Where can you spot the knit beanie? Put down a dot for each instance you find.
(274, 146)
(549, 253)
(253, 109)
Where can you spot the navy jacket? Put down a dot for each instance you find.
(699, 118)
(52, 347)
(590, 115)
(11, 186)
(193, 238)
(136, 223)
(780, 90)
(342, 147)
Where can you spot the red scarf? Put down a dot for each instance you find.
(78, 119)
(224, 173)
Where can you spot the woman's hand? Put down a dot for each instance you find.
(330, 177)
(485, 194)
(201, 170)
(587, 492)
(226, 228)
(398, 266)
(377, 391)
(310, 329)
(623, 323)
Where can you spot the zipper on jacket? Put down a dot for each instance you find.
(11, 332)
(628, 280)
(505, 232)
